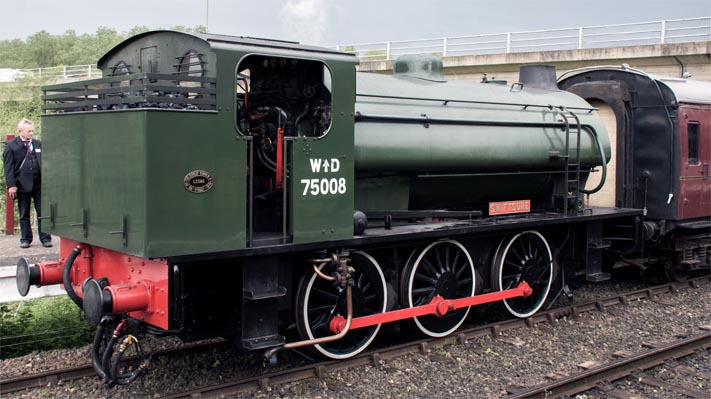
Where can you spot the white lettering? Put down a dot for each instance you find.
(342, 185)
(314, 187)
(330, 186)
(332, 165)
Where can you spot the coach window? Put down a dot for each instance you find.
(277, 95)
(693, 136)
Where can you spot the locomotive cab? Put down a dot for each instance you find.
(231, 139)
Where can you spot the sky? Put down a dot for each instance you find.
(334, 22)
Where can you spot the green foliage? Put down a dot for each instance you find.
(43, 49)
(41, 324)
(19, 100)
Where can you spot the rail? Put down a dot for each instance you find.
(618, 369)
(320, 369)
(575, 38)
(64, 72)
(147, 90)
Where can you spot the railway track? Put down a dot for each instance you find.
(628, 365)
(321, 369)
(19, 383)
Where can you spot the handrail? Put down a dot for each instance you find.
(598, 36)
(668, 31)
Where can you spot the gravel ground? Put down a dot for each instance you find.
(482, 368)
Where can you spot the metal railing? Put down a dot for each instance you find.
(632, 34)
(67, 72)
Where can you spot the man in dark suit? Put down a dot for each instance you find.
(23, 160)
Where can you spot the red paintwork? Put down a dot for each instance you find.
(695, 184)
(280, 159)
(50, 273)
(130, 297)
(135, 283)
(438, 306)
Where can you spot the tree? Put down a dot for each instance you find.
(43, 49)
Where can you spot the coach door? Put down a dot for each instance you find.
(695, 146)
(606, 195)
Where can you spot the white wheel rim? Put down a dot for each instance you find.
(501, 269)
(370, 339)
(411, 279)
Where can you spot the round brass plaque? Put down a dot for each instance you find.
(197, 181)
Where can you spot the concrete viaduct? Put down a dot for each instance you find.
(671, 60)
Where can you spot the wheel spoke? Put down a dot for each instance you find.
(529, 256)
(543, 272)
(326, 295)
(321, 309)
(516, 266)
(447, 265)
(438, 259)
(530, 248)
(510, 281)
(524, 250)
(317, 300)
(319, 324)
(426, 279)
(464, 282)
(429, 267)
(516, 254)
(461, 271)
(443, 268)
(455, 264)
(370, 298)
(423, 290)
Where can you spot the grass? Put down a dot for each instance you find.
(41, 324)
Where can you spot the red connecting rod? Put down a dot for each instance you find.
(438, 306)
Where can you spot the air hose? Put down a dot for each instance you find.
(96, 360)
(127, 378)
(66, 279)
(107, 363)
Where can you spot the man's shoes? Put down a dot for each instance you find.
(46, 244)
(24, 244)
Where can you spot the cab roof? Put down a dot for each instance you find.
(685, 90)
